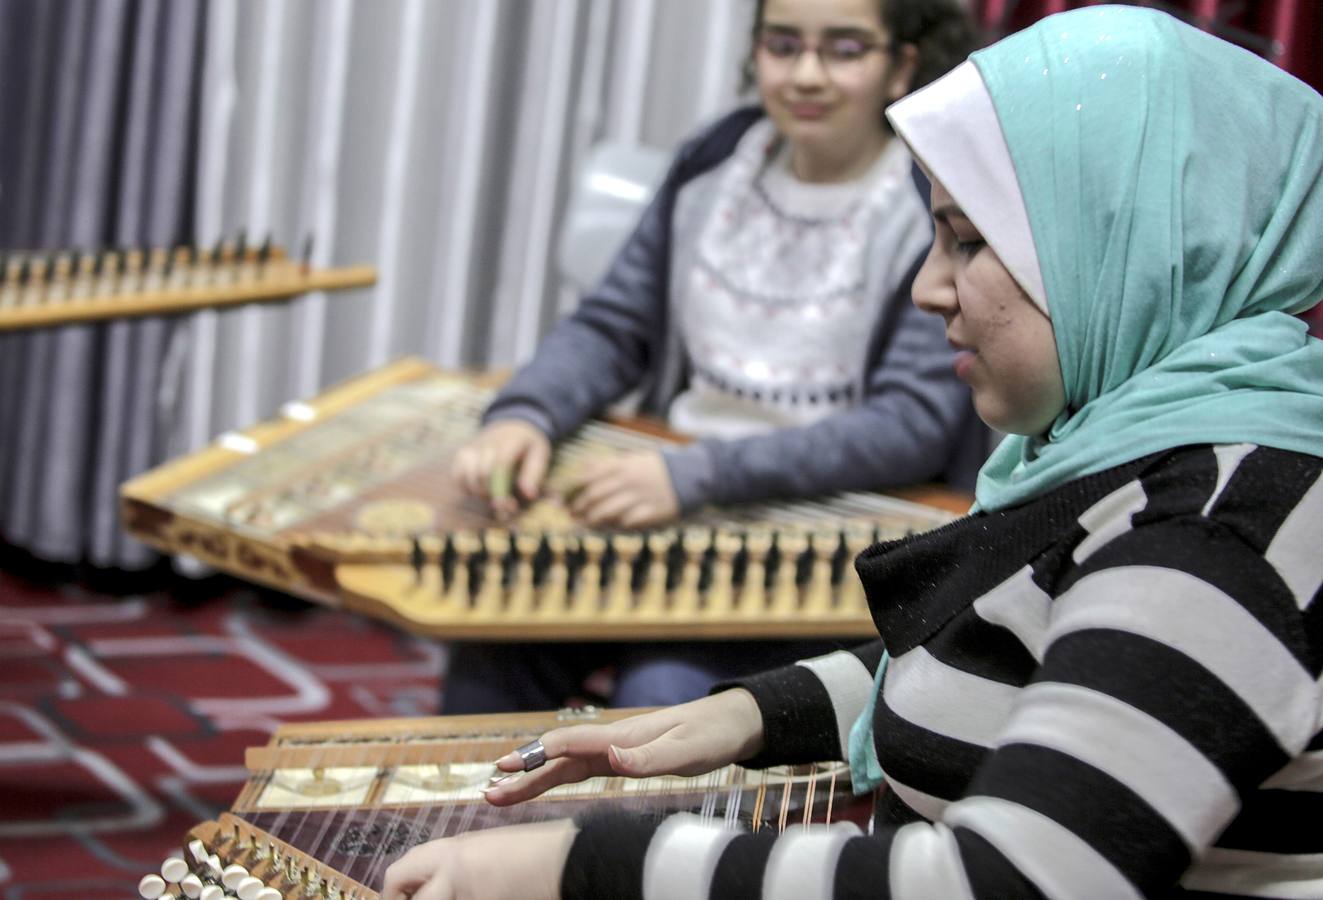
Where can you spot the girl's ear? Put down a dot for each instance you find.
(904, 63)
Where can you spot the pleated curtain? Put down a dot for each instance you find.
(434, 139)
(96, 149)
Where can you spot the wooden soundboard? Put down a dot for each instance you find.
(39, 290)
(328, 806)
(348, 500)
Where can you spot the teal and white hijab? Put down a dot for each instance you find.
(1158, 193)
(1171, 185)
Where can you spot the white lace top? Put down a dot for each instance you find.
(774, 312)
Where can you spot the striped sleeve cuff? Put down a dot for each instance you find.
(850, 686)
(799, 718)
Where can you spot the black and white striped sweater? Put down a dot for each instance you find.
(1112, 691)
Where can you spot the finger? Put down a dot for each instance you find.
(590, 470)
(458, 465)
(503, 501)
(591, 741)
(498, 482)
(525, 786)
(605, 753)
(609, 510)
(533, 469)
(575, 479)
(464, 469)
(678, 752)
(594, 492)
(407, 874)
(605, 485)
(642, 515)
(508, 460)
(439, 887)
(476, 472)
(655, 743)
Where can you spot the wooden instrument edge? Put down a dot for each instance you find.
(296, 872)
(174, 302)
(292, 745)
(358, 583)
(275, 567)
(939, 496)
(172, 475)
(444, 726)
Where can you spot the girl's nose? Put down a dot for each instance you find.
(809, 70)
(934, 285)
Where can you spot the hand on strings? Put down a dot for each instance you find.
(517, 862)
(630, 490)
(689, 739)
(505, 461)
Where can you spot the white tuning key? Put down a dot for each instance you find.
(174, 870)
(191, 886)
(249, 888)
(269, 894)
(198, 850)
(212, 892)
(151, 887)
(214, 866)
(232, 875)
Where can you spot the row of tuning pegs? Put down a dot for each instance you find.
(29, 278)
(704, 553)
(206, 879)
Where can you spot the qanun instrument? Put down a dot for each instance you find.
(329, 806)
(349, 500)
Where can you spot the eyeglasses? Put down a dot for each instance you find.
(840, 55)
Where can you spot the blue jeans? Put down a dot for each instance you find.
(488, 678)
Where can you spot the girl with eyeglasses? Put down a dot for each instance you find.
(1108, 681)
(762, 306)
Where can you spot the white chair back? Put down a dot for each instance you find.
(609, 194)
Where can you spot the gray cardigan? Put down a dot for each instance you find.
(914, 421)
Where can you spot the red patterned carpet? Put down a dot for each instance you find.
(124, 715)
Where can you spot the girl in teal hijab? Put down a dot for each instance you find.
(1108, 681)
(1141, 209)
(1172, 184)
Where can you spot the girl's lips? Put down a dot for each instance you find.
(964, 360)
(807, 110)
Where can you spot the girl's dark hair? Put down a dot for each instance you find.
(941, 30)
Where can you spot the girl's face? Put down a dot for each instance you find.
(825, 71)
(1006, 350)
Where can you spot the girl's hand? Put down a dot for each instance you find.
(518, 862)
(630, 490)
(506, 456)
(689, 739)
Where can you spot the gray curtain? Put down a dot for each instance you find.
(97, 142)
(436, 140)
